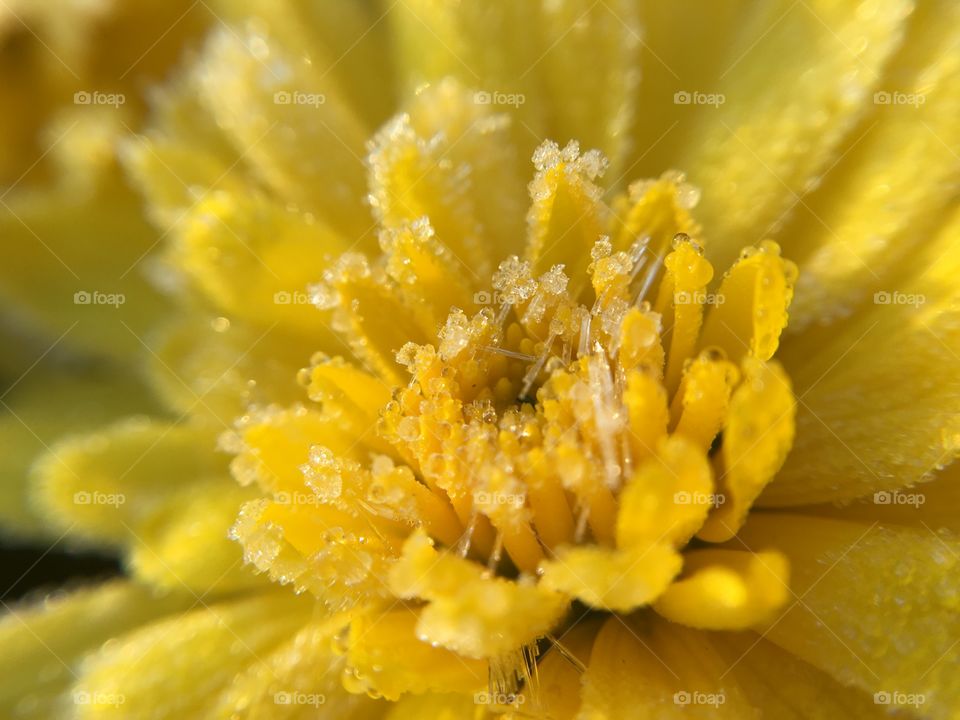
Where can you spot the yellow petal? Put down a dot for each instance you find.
(385, 656)
(782, 685)
(346, 42)
(878, 397)
(642, 667)
(44, 642)
(557, 692)
(214, 368)
(436, 39)
(297, 680)
(661, 127)
(43, 406)
(567, 215)
(184, 546)
(757, 436)
(342, 559)
(255, 260)
(681, 300)
(418, 163)
(158, 491)
(441, 706)
(646, 402)
(99, 302)
(893, 183)
(372, 313)
(276, 443)
(610, 579)
(177, 668)
(103, 483)
(297, 132)
(701, 403)
(751, 304)
(667, 499)
(896, 628)
(777, 120)
(470, 612)
(726, 589)
(590, 69)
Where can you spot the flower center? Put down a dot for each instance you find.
(561, 439)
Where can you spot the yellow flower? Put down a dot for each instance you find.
(543, 460)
